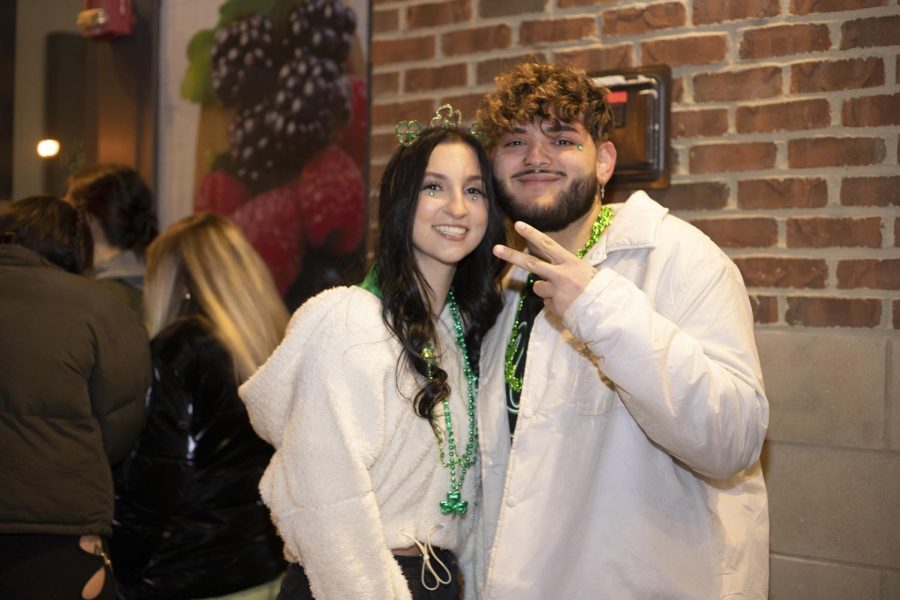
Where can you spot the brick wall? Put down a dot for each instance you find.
(785, 123)
(785, 152)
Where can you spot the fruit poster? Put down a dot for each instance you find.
(282, 133)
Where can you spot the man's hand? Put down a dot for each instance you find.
(562, 276)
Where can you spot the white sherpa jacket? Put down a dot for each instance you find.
(355, 472)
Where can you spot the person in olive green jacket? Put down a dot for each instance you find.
(74, 372)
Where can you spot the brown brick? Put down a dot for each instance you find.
(837, 75)
(504, 8)
(383, 145)
(653, 17)
(677, 89)
(760, 82)
(598, 59)
(571, 3)
(433, 78)
(438, 13)
(719, 158)
(874, 31)
(782, 193)
(805, 7)
(482, 39)
(487, 70)
(740, 233)
(385, 52)
(765, 309)
(694, 50)
(706, 195)
(784, 116)
(699, 123)
(835, 152)
(716, 11)
(385, 84)
(833, 312)
(548, 31)
(771, 271)
(391, 114)
(895, 307)
(783, 40)
(871, 111)
(870, 191)
(869, 273)
(823, 232)
(897, 232)
(385, 20)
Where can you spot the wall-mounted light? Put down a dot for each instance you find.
(48, 148)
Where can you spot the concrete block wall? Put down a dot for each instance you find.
(785, 149)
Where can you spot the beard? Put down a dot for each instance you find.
(570, 204)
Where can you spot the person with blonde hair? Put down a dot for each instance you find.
(74, 372)
(189, 523)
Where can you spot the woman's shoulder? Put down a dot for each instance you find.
(339, 311)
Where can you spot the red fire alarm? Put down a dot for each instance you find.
(105, 19)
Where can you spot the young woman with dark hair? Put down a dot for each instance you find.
(73, 377)
(370, 400)
(122, 217)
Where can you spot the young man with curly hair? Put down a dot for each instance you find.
(622, 407)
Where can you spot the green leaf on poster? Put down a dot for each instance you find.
(235, 9)
(196, 85)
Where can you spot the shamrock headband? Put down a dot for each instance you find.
(444, 116)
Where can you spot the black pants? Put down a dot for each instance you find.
(49, 567)
(295, 585)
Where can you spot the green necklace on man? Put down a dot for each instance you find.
(510, 359)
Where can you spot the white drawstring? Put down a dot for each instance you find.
(428, 553)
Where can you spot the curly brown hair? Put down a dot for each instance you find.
(535, 89)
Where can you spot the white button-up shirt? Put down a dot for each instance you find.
(634, 472)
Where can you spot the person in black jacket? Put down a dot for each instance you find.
(189, 520)
(74, 371)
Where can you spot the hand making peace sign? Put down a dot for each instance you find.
(562, 276)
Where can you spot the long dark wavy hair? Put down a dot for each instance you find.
(405, 307)
(52, 228)
(120, 201)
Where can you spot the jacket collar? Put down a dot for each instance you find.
(126, 265)
(635, 225)
(14, 255)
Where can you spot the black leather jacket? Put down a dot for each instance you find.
(189, 520)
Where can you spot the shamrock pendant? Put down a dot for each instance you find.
(454, 504)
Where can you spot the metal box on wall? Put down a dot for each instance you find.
(641, 101)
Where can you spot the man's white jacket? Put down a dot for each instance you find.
(634, 473)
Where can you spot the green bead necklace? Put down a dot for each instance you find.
(509, 371)
(454, 504)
